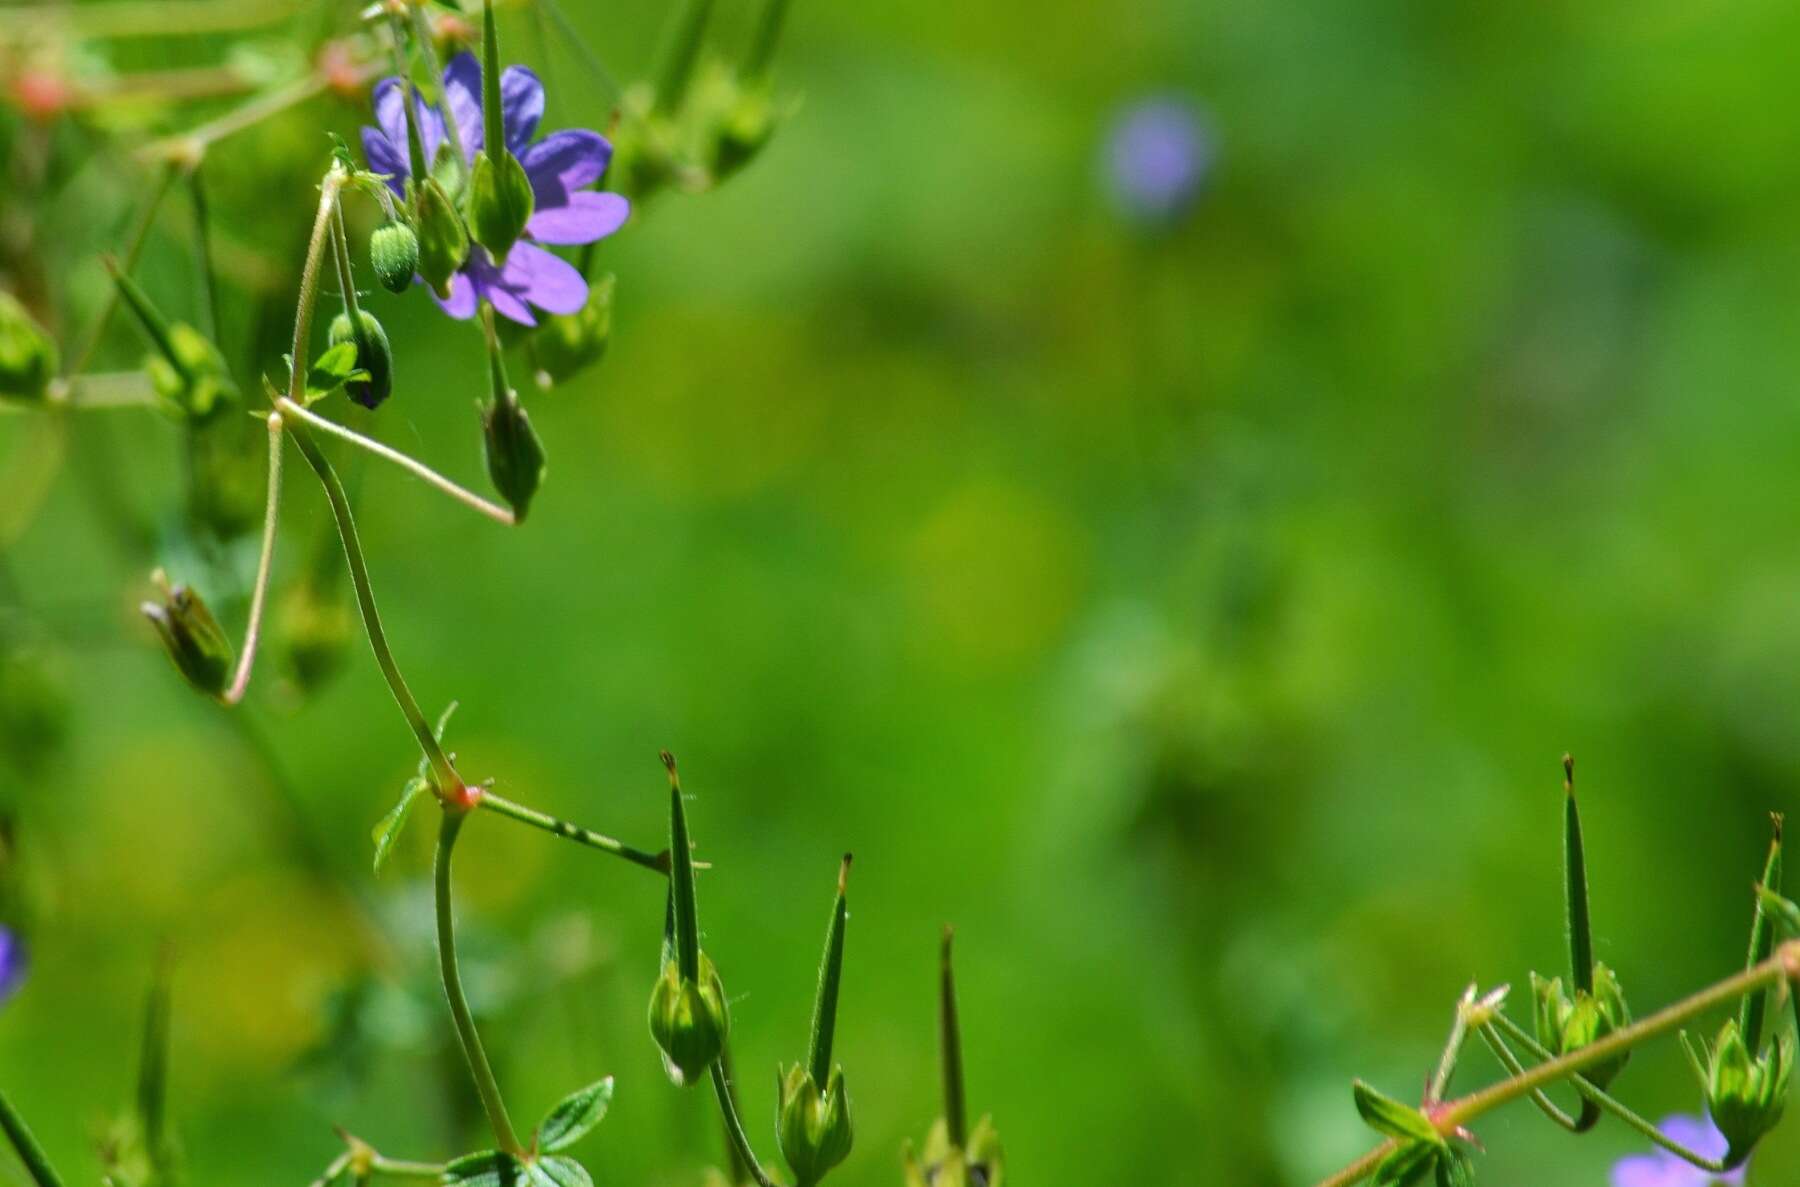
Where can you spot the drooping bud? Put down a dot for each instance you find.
(443, 240)
(394, 255)
(515, 456)
(563, 346)
(1746, 1094)
(813, 1128)
(191, 635)
(372, 355)
(688, 1015)
(28, 355)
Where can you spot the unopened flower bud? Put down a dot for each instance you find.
(813, 1128)
(394, 255)
(191, 636)
(1746, 1094)
(1565, 1025)
(689, 1020)
(443, 240)
(563, 346)
(515, 456)
(372, 355)
(28, 355)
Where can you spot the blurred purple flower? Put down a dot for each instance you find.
(12, 962)
(560, 166)
(1662, 1169)
(1158, 155)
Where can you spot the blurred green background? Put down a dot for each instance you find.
(1193, 614)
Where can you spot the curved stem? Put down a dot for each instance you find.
(411, 465)
(1459, 1034)
(1450, 1117)
(30, 1153)
(735, 1128)
(473, 1052)
(442, 771)
(309, 283)
(260, 592)
(1539, 1097)
(337, 1166)
(1592, 1094)
(658, 862)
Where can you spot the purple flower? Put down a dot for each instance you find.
(560, 167)
(1662, 1169)
(12, 962)
(1158, 154)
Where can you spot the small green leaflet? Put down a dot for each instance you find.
(332, 370)
(489, 1168)
(559, 1171)
(1385, 1115)
(388, 829)
(574, 1116)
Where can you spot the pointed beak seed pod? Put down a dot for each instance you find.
(191, 635)
(372, 355)
(689, 1020)
(28, 356)
(814, 1127)
(1746, 1094)
(394, 255)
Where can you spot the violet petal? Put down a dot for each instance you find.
(521, 106)
(462, 90)
(563, 162)
(460, 304)
(383, 157)
(547, 281)
(588, 215)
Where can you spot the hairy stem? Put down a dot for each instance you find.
(473, 1052)
(658, 862)
(734, 1126)
(259, 593)
(413, 466)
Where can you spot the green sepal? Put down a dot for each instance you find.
(373, 356)
(574, 1116)
(1389, 1117)
(500, 201)
(1409, 1164)
(812, 1127)
(28, 355)
(689, 1019)
(1746, 1093)
(443, 240)
(335, 366)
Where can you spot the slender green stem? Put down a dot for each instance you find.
(680, 53)
(336, 1167)
(1513, 1067)
(259, 594)
(956, 1117)
(658, 862)
(422, 39)
(1602, 1099)
(734, 1126)
(203, 261)
(387, 453)
(346, 272)
(609, 84)
(309, 283)
(30, 1153)
(402, 1169)
(445, 774)
(473, 1052)
(1451, 1116)
(1459, 1034)
(133, 249)
(768, 36)
(113, 19)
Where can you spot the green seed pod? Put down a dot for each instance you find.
(191, 636)
(515, 456)
(563, 346)
(28, 355)
(443, 240)
(689, 1020)
(372, 355)
(813, 1127)
(394, 255)
(1746, 1094)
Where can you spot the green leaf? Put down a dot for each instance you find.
(332, 370)
(388, 831)
(574, 1116)
(489, 1168)
(559, 1171)
(1385, 1115)
(1406, 1166)
(1455, 1169)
